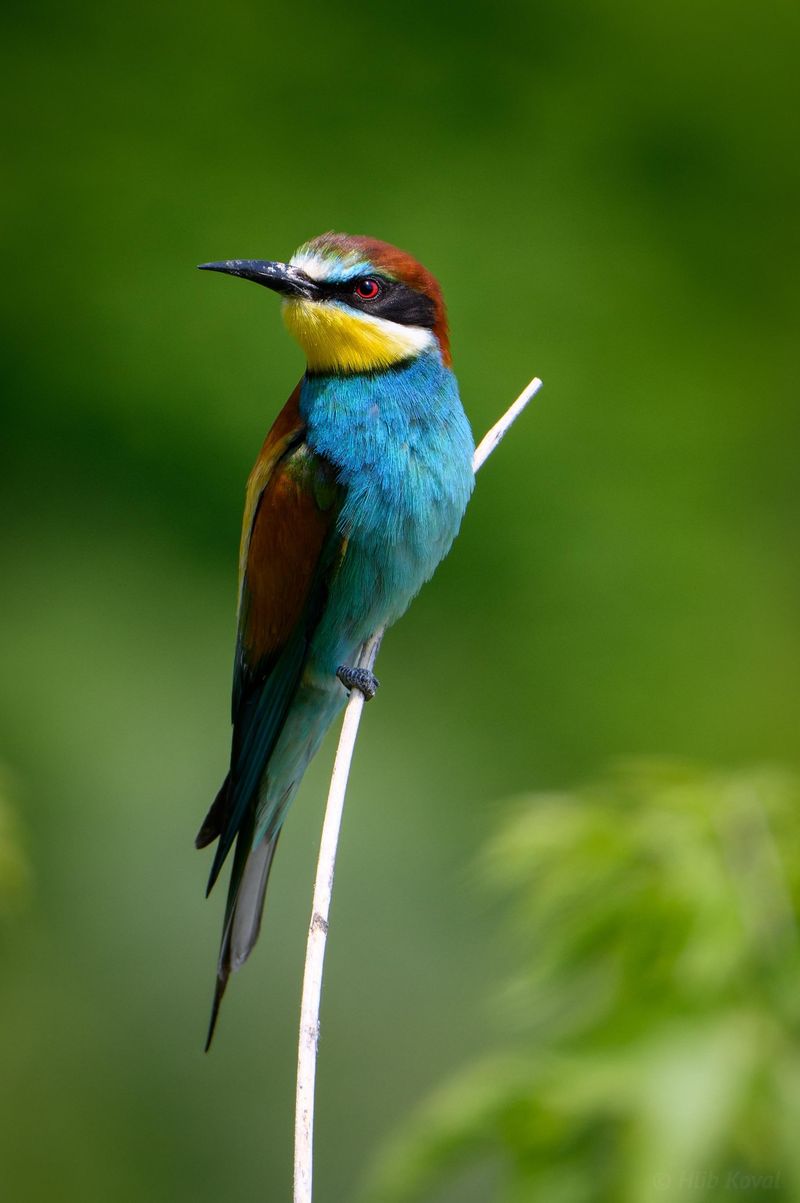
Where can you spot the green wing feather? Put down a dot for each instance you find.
(289, 545)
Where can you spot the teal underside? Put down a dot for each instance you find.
(402, 449)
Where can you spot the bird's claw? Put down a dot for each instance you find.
(358, 678)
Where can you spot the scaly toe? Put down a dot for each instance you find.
(358, 678)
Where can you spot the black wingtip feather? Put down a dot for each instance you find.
(219, 991)
(217, 817)
(223, 848)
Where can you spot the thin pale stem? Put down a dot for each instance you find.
(493, 437)
(326, 864)
(318, 935)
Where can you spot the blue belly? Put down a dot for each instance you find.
(402, 447)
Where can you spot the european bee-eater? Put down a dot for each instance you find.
(356, 495)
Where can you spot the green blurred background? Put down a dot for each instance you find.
(608, 192)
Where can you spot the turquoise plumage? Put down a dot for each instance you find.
(358, 494)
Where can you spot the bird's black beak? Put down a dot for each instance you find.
(280, 277)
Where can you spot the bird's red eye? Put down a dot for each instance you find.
(368, 289)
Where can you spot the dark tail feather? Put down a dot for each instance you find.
(217, 817)
(243, 910)
(252, 747)
(219, 990)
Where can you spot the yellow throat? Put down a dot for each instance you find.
(337, 340)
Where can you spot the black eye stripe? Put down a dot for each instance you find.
(396, 302)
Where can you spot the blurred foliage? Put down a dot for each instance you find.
(13, 864)
(655, 1003)
(608, 192)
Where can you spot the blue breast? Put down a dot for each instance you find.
(402, 447)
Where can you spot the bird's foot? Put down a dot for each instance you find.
(358, 678)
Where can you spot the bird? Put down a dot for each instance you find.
(356, 496)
